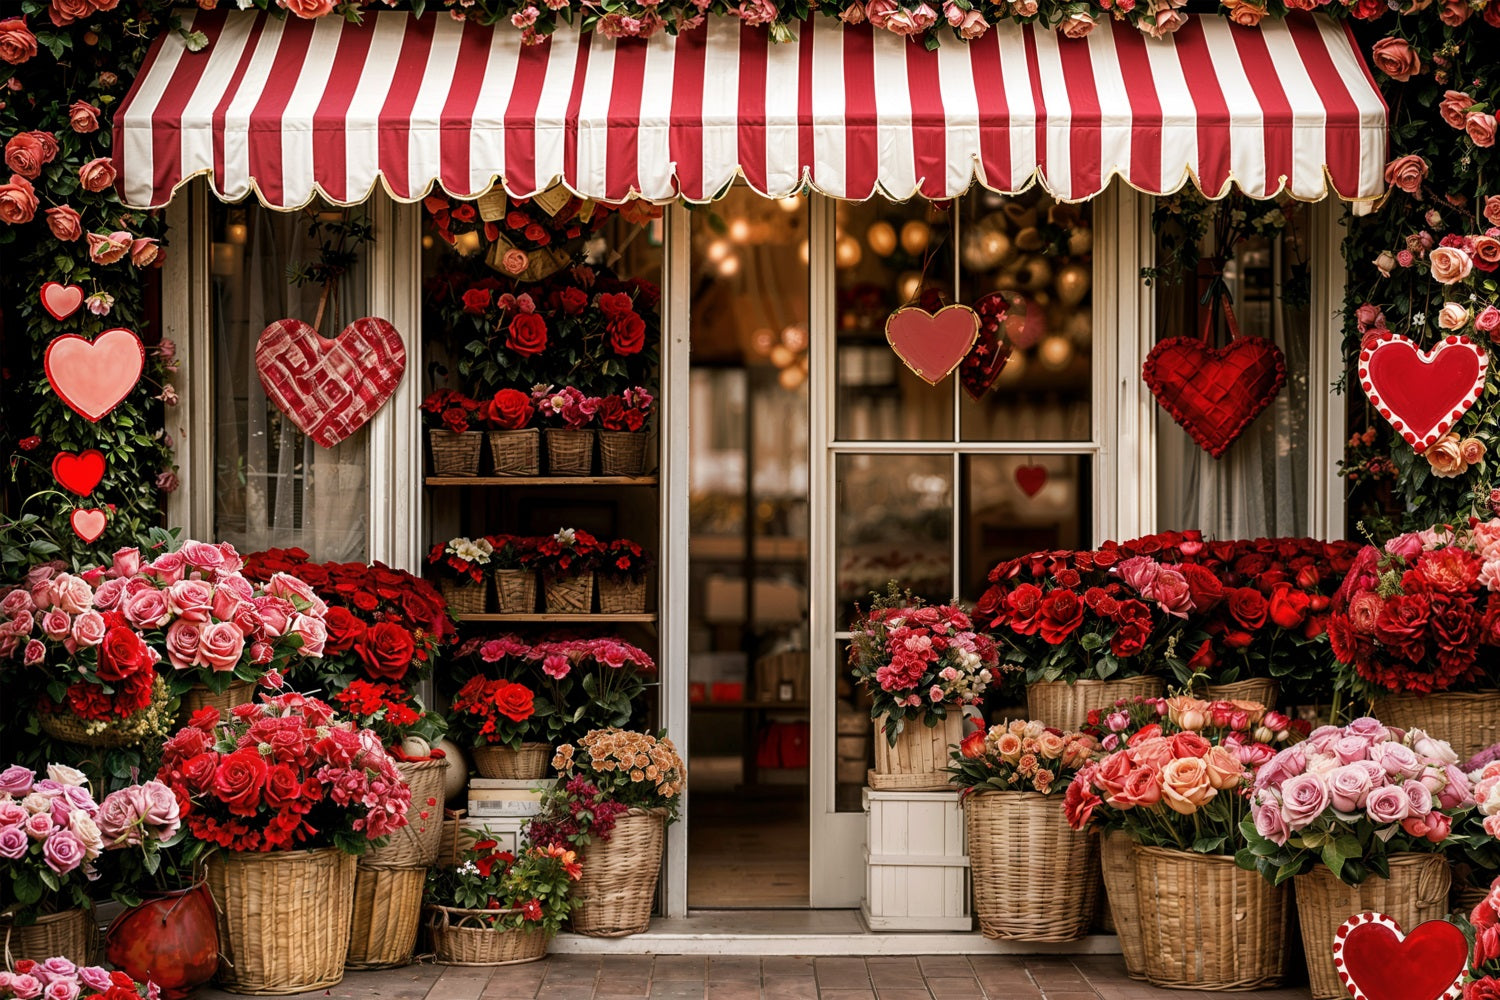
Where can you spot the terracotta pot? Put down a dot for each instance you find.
(171, 940)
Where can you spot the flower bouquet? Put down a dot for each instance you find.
(622, 577)
(453, 421)
(496, 908)
(567, 413)
(462, 565)
(49, 841)
(566, 561)
(515, 445)
(610, 673)
(1024, 859)
(497, 719)
(622, 438)
(57, 976)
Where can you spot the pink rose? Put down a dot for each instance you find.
(182, 645)
(880, 11)
(143, 251)
(1492, 209)
(275, 614)
(63, 851)
(972, 25)
(13, 842)
(64, 222)
(39, 825)
(1488, 320)
(16, 780)
(1453, 12)
(1269, 822)
(1419, 799)
(62, 988)
(146, 608)
(95, 978)
(191, 599)
(56, 624)
(201, 555)
(126, 562)
(1078, 26)
(18, 202)
(167, 567)
(34, 654)
(97, 174)
(1303, 799)
(1454, 106)
(110, 593)
(1407, 173)
(71, 593)
(1171, 593)
(1450, 265)
(313, 632)
(1395, 58)
(1348, 788)
(1481, 129)
(302, 596)
(108, 249)
(309, 8)
(26, 986)
(220, 646)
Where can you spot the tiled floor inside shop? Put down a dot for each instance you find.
(683, 977)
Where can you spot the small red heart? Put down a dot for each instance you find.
(1031, 479)
(88, 522)
(932, 344)
(93, 376)
(983, 365)
(61, 301)
(1215, 392)
(81, 472)
(330, 388)
(1426, 392)
(1382, 964)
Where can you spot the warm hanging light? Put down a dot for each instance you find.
(782, 357)
(790, 203)
(908, 286)
(916, 235)
(718, 250)
(846, 252)
(1055, 352)
(729, 266)
(739, 230)
(881, 237)
(427, 243)
(238, 233)
(762, 340)
(791, 378)
(795, 338)
(804, 252)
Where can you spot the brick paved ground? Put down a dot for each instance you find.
(681, 977)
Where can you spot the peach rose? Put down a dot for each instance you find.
(1184, 785)
(309, 8)
(1224, 768)
(1450, 265)
(1453, 316)
(1243, 12)
(64, 223)
(515, 261)
(1407, 173)
(1446, 459)
(1454, 106)
(83, 117)
(973, 25)
(1163, 20)
(1050, 745)
(1486, 252)
(108, 249)
(63, 12)
(97, 174)
(1396, 59)
(1078, 26)
(143, 251)
(1454, 12)
(26, 154)
(17, 201)
(1471, 450)
(1481, 129)
(1187, 713)
(852, 14)
(17, 43)
(1492, 210)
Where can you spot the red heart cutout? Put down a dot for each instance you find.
(1215, 392)
(330, 388)
(987, 360)
(932, 344)
(1376, 962)
(1422, 393)
(1031, 479)
(61, 301)
(88, 522)
(92, 376)
(79, 473)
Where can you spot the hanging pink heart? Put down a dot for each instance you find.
(330, 388)
(1031, 479)
(88, 522)
(932, 344)
(1375, 961)
(983, 365)
(79, 473)
(93, 376)
(1422, 393)
(1025, 322)
(61, 301)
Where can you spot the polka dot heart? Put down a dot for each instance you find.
(1422, 393)
(1376, 961)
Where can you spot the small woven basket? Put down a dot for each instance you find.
(622, 597)
(463, 598)
(1066, 706)
(1035, 878)
(570, 595)
(1262, 690)
(919, 760)
(516, 453)
(455, 454)
(622, 453)
(526, 764)
(415, 845)
(201, 696)
(1207, 923)
(1118, 863)
(283, 919)
(516, 590)
(1416, 891)
(386, 916)
(618, 888)
(134, 728)
(1468, 721)
(570, 451)
(461, 937)
(73, 934)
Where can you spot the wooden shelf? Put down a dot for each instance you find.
(541, 480)
(491, 617)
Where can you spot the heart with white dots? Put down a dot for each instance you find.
(1422, 393)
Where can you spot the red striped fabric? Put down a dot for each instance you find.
(289, 110)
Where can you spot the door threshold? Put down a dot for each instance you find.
(808, 932)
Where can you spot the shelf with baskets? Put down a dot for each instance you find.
(542, 481)
(646, 617)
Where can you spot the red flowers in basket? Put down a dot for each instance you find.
(627, 411)
(452, 410)
(493, 712)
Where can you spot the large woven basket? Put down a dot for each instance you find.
(1208, 924)
(919, 760)
(465, 598)
(570, 595)
(455, 454)
(134, 728)
(622, 597)
(614, 897)
(1035, 878)
(461, 937)
(1066, 706)
(622, 453)
(526, 764)
(386, 916)
(1416, 891)
(283, 919)
(416, 844)
(73, 934)
(1262, 690)
(570, 451)
(1116, 857)
(1468, 721)
(516, 590)
(201, 696)
(516, 453)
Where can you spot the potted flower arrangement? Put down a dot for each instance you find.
(281, 831)
(1483, 981)
(622, 577)
(1475, 845)
(1034, 878)
(463, 565)
(452, 420)
(497, 908)
(920, 665)
(567, 412)
(60, 976)
(616, 792)
(515, 581)
(515, 445)
(1359, 815)
(622, 431)
(566, 561)
(496, 718)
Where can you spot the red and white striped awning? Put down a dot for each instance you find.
(290, 110)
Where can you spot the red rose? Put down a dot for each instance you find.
(517, 220)
(1203, 585)
(283, 788)
(463, 212)
(18, 201)
(1022, 606)
(1189, 745)
(1130, 638)
(239, 779)
(121, 654)
(1401, 625)
(528, 334)
(1060, 614)
(537, 234)
(972, 746)
(1203, 660)
(198, 773)
(1248, 607)
(615, 304)
(511, 409)
(572, 300)
(456, 419)
(627, 334)
(26, 155)
(514, 701)
(345, 629)
(1288, 606)
(387, 650)
(477, 300)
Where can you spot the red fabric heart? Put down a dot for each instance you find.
(61, 301)
(1422, 393)
(1215, 392)
(330, 388)
(932, 344)
(1031, 479)
(88, 522)
(93, 376)
(987, 360)
(79, 473)
(1376, 962)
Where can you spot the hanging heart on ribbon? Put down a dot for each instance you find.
(1031, 479)
(1422, 393)
(1025, 322)
(61, 301)
(88, 522)
(93, 376)
(1375, 961)
(330, 388)
(79, 473)
(983, 365)
(932, 344)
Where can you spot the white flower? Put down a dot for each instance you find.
(566, 537)
(65, 775)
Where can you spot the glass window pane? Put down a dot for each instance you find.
(1011, 505)
(893, 521)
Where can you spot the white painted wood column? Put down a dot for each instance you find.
(186, 321)
(1327, 409)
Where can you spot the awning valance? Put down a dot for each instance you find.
(289, 109)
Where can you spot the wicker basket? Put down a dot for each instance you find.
(1116, 857)
(1469, 722)
(516, 590)
(1416, 891)
(463, 598)
(201, 696)
(622, 597)
(1035, 879)
(455, 454)
(461, 937)
(614, 897)
(387, 914)
(569, 595)
(1261, 690)
(622, 453)
(570, 451)
(1066, 706)
(526, 764)
(1463, 898)
(415, 845)
(1208, 924)
(283, 919)
(73, 934)
(919, 760)
(134, 728)
(448, 849)
(516, 453)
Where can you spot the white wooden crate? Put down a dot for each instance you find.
(916, 862)
(504, 831)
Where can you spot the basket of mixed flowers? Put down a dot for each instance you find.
(499, 908)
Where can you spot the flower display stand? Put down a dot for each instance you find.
(916, 862)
